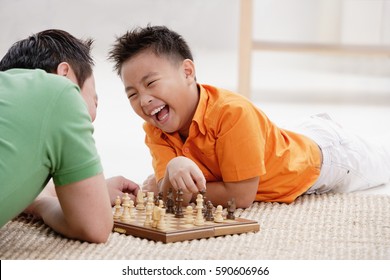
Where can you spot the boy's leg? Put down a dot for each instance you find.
(350, 163)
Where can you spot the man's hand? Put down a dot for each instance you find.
(150, 184)
(119, 185)
(48, 192)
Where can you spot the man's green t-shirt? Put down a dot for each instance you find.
(45, 132)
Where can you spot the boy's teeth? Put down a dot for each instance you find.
(155, 111)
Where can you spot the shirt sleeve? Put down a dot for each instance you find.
(240, 147)
(70, 146)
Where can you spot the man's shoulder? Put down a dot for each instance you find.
(37, 77)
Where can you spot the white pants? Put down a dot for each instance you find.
(349, 163)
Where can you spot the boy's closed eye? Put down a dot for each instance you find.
(151, 83)
(131, 95)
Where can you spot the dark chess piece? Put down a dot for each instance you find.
(170, 203)
(231, 209)
(203, 193)
(209, 211)
(179, 201)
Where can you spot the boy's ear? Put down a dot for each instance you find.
(189, 68)
(63, 69)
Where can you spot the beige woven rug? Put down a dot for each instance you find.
(330, 226)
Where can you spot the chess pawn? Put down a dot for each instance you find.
(140, 201)
(189, 219)
(209, 212)
(131, 208)
(162, 223)
(126, 213)
(117, 213)
(230, 209)
(218, 218)
(125, 198)
(156, 215)
(148, 212)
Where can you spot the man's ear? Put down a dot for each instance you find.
(63, 69)
(189, 68)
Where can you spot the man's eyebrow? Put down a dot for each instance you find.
(143, 79)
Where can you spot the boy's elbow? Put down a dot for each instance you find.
(244, 201)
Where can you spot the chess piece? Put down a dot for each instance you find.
(150, 198)
(162, 223)
(156, 216)
(218, 218)
(148, 214)
(125, 217)
(179, 201)
(189, 219)
(209, 211)
(117, 213)
(125, 198)
(131, 208)
(160, 196)
(140, 201)
(161, 203)
(170, 203)
(203, 193)
(199, 207)
(231, 209)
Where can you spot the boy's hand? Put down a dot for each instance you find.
(184, 174)
(119, 185)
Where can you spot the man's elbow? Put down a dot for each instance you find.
(98, 234)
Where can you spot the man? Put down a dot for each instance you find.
(47, 104)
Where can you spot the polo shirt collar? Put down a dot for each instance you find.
(201, 109)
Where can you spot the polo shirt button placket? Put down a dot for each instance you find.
(186, 150)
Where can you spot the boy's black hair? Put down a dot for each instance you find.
(159, 39)
(47, 49)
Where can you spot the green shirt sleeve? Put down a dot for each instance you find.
(70, 146)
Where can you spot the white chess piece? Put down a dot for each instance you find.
(117, 213)
(189, 219)
(199, 215)
(218, 218)
(140, 201)
(162, 223)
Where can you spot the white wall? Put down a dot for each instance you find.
(211, 28)
(210, 24)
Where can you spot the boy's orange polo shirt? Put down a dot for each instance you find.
(231, 140)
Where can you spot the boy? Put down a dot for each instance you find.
(201, 136)
(46, 132)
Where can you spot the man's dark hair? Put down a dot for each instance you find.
(158, 39)
(47, 49)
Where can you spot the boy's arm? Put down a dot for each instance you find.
(244, 192)
(183, 173)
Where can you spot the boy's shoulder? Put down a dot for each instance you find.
(217, 98)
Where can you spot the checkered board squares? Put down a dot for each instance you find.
(177, 229)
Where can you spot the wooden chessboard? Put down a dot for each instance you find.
(178, 230)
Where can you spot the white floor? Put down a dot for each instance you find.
(119, 135)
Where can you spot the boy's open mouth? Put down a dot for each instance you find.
(160, 113)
